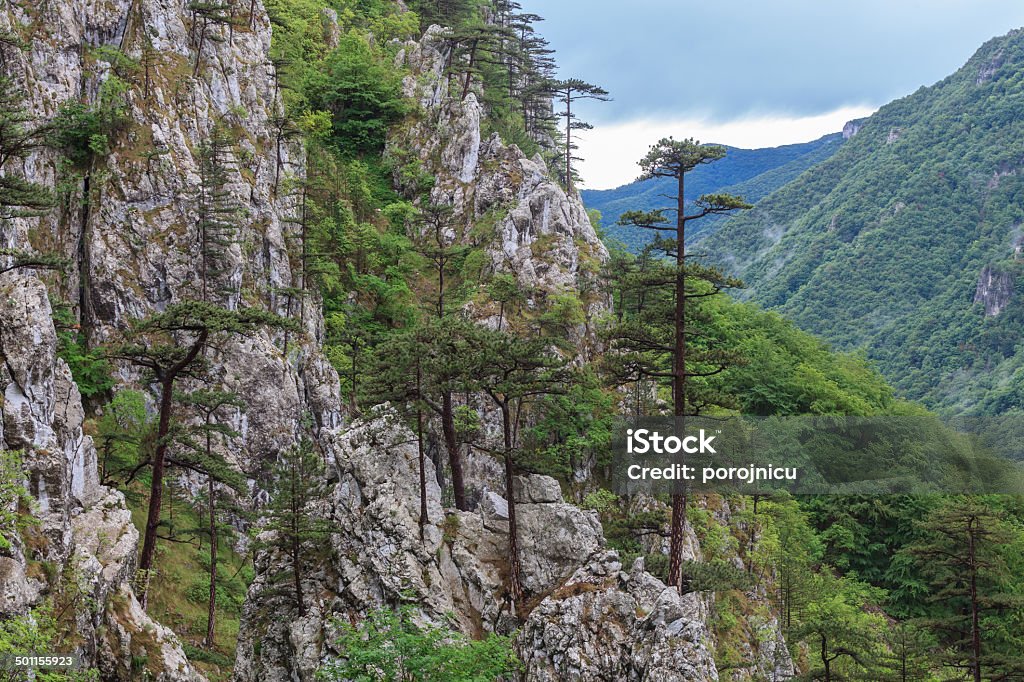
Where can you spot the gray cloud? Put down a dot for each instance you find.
(726, 59)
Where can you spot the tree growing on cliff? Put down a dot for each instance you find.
(440, 245)
(20, 134)
(217, 214)
(513, 372)
(203, 457)
(569, 92)
(390, 645)
(206, 16)
(169, 346)
(292, 530)
(673, 159)
(443, 12)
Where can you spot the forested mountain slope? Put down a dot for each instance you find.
(750, 173)
(907, 242)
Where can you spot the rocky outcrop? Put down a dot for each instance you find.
(989, 68)
(541, 233)
(852, 127)
(127, 227)
(377, 556)
(994, 290)
(84, 541)
(607, 624)
(130, 229)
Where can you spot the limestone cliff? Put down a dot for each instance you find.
(85, 542)
(542, 234)
(127, 226)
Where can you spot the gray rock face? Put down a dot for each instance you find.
(605, 624)
(852, 128)
(994, 290)
(138, 241)
(377, 556)
(541, 234)
(536, 489)
(134, 244)
(132, 248)
(86, 529)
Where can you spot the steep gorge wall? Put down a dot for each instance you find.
(82, 547)
(129, 233)
(127, 227)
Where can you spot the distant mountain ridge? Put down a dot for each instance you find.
(907, 242)
(750, 173)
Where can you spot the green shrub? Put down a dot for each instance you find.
(389, 646)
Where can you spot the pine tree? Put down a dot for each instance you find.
(569, 92)
(206, 15)
(474, 45)
(443, 12)
(217, 215)
(19, 197)
(674, 159)
(292, 529)
(422, 368)
(513, 372)
(844, 639)
(169, 346)
(975, 610)
(203, 458)
(439, 242)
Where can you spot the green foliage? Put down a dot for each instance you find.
(361, 91)
(389, 646)
(600, 500)
(570, 428)
(843, 636)
(83, 132)
(89, 367)
(714, 576)
(123, 431)
(37, 633)
(218, 215)
(882, 246)
(970, 553)
(750, 173)
(19, 136)
(14, 498)
(291, 528)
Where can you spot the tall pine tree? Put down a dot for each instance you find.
(673, 159)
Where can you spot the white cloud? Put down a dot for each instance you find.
(611, 152)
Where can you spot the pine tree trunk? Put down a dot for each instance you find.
(454, 458)
(211, 614)
(679, 392)
(826, 662)
(975, 616)
(296, 546)
(515, 586)
(156, 486)
(568, 140)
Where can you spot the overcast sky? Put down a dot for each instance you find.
(752, 73)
